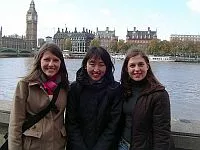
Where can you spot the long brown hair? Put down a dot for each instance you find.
(125, 78)
(36, 70)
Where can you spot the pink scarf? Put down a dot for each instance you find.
(50, 85)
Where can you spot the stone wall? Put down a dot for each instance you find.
(5, 107)
(185, 133)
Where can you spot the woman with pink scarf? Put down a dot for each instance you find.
(34, 93)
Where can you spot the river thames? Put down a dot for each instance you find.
(182, 81)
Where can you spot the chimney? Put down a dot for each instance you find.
(58, 30)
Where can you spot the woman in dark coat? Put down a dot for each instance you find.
(146, 106)
(94, 106)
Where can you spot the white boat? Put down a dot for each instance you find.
(151, 57)
(118, 56)
(160, 58)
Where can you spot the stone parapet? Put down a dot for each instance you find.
(185, 133)
(5, 107)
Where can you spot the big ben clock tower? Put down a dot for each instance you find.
(31, 27)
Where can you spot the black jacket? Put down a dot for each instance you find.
(151, 119)
(93, 114)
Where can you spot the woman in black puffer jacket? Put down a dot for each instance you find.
(94, 104)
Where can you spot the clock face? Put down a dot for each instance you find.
(29, 17)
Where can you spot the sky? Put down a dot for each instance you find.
(166, 16)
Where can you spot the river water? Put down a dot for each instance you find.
(182, 81)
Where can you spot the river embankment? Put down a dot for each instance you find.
(5, 107)
(185, 133)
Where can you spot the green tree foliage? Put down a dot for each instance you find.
(113, 46)
(164, 47)
(173, 47)
(198, 48)
(127, 46)
(153, 47)
(120, 45)
(68, 44)
(95, 42)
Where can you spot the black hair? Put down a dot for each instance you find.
(100, 52)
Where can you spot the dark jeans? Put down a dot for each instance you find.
(123, 145)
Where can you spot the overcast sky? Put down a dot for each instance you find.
(166, 16)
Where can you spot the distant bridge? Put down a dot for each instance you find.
(11, 52)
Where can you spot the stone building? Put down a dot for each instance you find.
(29, 41)
(106, 37)
(41, 41)
(1, 37)
(80, 40)
(140, 37)
(13, 42)
(49, 39)
(60, 37)
(193, 38)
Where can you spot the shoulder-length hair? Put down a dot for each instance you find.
(36, 70)
(125, 78)
(100, 52)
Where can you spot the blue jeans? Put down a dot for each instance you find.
(123, 145)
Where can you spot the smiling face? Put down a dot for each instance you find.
(96, 68)
(137, 68)
(50, 64)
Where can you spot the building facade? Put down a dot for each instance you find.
(41, 41)
(106, 37)
(12, 41)
(60, 37)
(49, 39)
(193, 38)
(80, 41)
(140, 37)
(29, 41)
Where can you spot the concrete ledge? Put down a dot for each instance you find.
(186, 126)
(4, 117)
(186, 142)
(3, 130)
(185, 133)
(5, 107)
